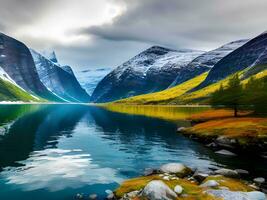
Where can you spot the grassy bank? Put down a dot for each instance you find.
(246, 130)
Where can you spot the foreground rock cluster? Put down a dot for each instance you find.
(177, 181)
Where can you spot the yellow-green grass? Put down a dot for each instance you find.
(201, 96)
(181, 94)
(10, 92)
(191, 189)
(165, 95)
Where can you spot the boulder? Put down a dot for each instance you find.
(200, 176)
(259, 180)
(210, 183)
(178, 189)
(158, 190)
(230, 195)
(242, 172)
(176, 168)
(225, 152)
(227, 173)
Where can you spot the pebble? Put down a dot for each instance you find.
(225, 152)
(178, 189)
(210, 183)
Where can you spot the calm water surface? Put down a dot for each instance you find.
(56, 151)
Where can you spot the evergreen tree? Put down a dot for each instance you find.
(231, 96)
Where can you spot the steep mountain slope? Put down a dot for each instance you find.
(10, 91)
(182, 95)
(152, 70)
(207, 60)
(250, 54)
(165, 96)
(60, 81)
(17, 62)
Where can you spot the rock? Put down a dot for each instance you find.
(225, 142)
(181, 129)
(176, 168)
(210, 183)
(230, 195)
(79, 196)
(212, 145)
(158, 190)
(110, 196)
(225, 152)
(166, 178)
(133, 194)
(178, 189)
(150, 171)
(227, 173)
(93, 196)
(259, 180)
(242, 172)
(200, 176)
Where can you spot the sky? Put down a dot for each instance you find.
(104, 33)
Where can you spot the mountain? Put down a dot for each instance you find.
(206, 61)
(18, 64)
(250, 54)
(152, 70)
(89, 78)
(10, 91)
(59, 80)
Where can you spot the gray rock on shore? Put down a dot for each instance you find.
(230, 195)
(227, 173)
(158, 190)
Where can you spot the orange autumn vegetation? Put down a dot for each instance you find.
(232, 127)
(216, 114)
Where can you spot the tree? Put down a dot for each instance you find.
(231, 96)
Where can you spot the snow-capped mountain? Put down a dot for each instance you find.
(89, 78)
(18, 67)
(206, 61)
(250, 54)
(152, 70)
(59, 80)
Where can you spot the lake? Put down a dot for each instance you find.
(56, 151)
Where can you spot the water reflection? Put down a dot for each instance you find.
(56, 151)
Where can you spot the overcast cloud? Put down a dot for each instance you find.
(99, 33)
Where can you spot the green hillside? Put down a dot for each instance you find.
(10, 92)
(181, 95)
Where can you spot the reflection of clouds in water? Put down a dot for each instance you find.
(57, 169)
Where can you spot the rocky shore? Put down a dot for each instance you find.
(177, 181)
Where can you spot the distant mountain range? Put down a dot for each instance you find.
(28, 75)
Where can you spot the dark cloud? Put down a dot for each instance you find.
(186, 23)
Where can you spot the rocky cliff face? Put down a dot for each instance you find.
(150, 71)
(250, 54)
(206, 61)
(17, 62)
(59, 80)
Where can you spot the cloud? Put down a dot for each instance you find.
(99, 33)
(185, 23)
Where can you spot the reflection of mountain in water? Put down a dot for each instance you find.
(31, 127)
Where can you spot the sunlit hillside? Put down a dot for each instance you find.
(181, 94)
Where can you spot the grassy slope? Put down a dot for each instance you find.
(166, 95)
(10, 92)
(180, 94)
